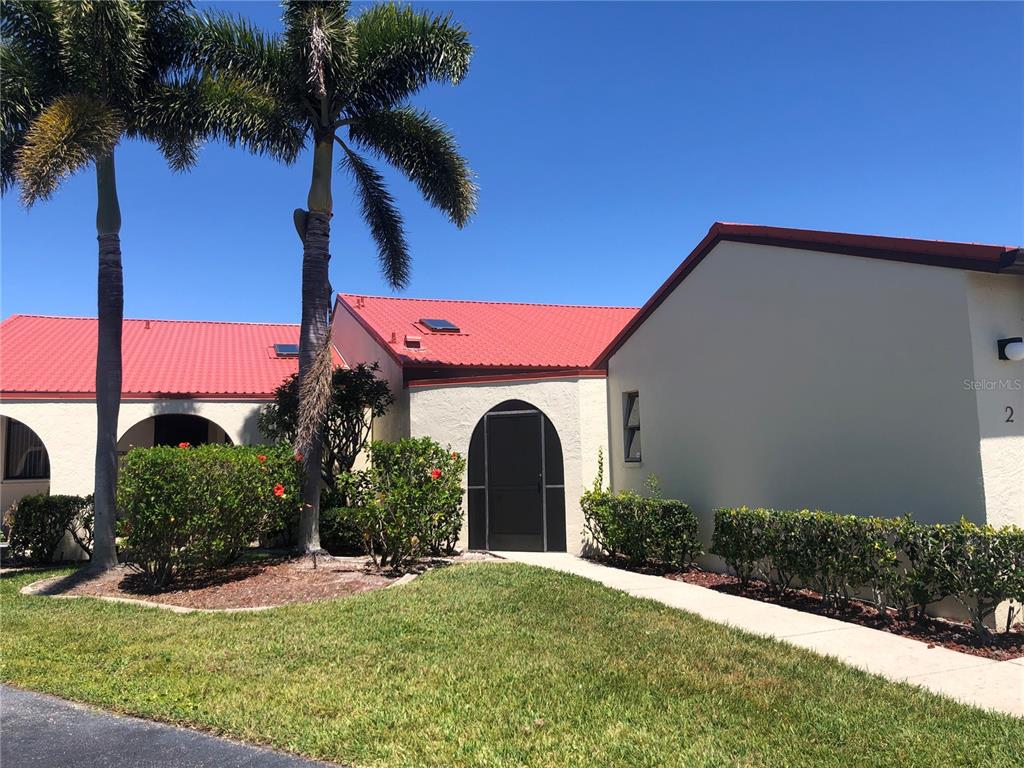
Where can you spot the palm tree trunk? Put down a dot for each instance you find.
(110, 313)
(316, 307)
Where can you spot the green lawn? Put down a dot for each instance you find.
(488, 665)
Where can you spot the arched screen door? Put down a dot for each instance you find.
(516, 481)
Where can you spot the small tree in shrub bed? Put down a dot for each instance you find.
(642, 531)
(38, 524)
(905, 565)
(409, 500)
(194, 508)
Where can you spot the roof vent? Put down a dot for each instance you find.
(286, 350)
(439, 326)
(412, 342)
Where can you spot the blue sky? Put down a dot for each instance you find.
(606, 138)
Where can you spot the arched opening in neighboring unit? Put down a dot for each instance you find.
(25, 462)
(172, 429)
(516, 492)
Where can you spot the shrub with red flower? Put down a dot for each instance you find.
(184, 445)
(279, 491)
(435, 473)
(262, 457)
(299, 456)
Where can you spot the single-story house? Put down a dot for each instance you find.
(775, 367)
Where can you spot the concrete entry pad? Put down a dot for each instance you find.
(41, 731)
(985, 683)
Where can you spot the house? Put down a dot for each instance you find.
(775, 367)
(858, 374)
(184, 381)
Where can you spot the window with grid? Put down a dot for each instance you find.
(631, 425)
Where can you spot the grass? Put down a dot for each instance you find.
(489, 665)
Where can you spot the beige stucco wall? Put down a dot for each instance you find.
(68, 430)
(358, 346)
(996, 308)
(789, 378)
(575, 406)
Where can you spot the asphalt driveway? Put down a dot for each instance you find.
(38, 731)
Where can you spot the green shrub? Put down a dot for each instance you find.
(38, 524)
(409, 500)
(340, 530)
(194, 508)
(981, 566)
(903, 564)
(642, 531)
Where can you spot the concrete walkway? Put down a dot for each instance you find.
(47, 732)
(995, 685)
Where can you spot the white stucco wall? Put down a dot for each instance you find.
(449, 413)
(790, 378)
(996, 307)
(68, 429)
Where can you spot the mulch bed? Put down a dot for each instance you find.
(247, 584)
(956, 636)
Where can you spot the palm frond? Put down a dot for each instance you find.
(30, 26)
(102, 47)
(18, 105)
(318, 38)
(227, 45)
(382, 216)
(173, 116)
(169, 45)
(68, 134)
(425, 151)
(398, 51)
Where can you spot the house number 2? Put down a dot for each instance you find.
(1009, 414)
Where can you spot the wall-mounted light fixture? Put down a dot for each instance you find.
(1011, 349)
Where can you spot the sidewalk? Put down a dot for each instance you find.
(995, 685)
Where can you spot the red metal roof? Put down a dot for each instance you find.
(491, 334)
(57, 356)
(975, 257)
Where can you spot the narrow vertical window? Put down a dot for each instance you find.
(631, 425)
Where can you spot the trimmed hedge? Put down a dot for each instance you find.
(38, 524)
(187, 509)
(641, 531)
(904, 565)
(408, 503)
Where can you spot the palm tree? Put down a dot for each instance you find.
(78, 78)
(346, 81)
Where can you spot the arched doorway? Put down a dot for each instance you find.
(172, 429)
(25, 462)
(516, 481)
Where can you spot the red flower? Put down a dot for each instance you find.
(435, 473)
(262, 458)
(279, 491)
(184, 445)
(299, 456)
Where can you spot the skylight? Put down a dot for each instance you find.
(440, 326)
(286, 350)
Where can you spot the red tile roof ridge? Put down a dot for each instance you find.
(155, 320)
(482, 301)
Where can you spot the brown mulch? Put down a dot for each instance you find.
(957, 636)
(249, 584)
